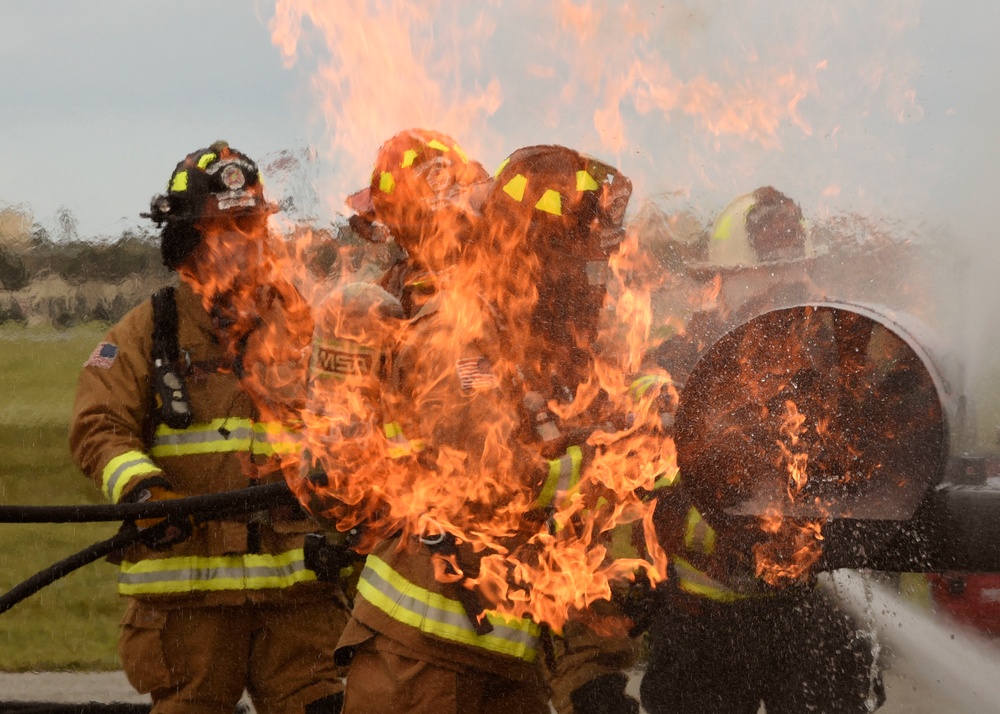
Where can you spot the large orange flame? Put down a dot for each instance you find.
(377, 70)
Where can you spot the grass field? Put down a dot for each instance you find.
(73, 623)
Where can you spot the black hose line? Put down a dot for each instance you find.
(243, 500)
(39, 580)
(201, 508)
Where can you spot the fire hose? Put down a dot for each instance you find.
(206, 507)
(242, 500)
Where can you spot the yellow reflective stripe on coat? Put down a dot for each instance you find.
(122, 469)
(693, 581)
(443, 617)
(399, 446)
(270, 438)
(643, 384)
(221, 436)
(698, 535)
(206, 159)
(196, 573)
(564, 474)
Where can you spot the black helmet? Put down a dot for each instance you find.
(207, 185)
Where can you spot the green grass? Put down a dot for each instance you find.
(73, 623)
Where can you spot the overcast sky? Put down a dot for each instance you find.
(881, 106)
(893, 103)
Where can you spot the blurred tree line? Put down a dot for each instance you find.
(65, 279)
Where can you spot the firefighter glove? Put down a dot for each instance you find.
(640, 602)
(328, 560)
(161, 532)
(604, 695)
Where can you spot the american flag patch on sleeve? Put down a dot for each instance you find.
(476, 373)
(103, 356)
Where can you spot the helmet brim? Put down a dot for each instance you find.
(361, 203)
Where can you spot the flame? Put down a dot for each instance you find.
(383, 72)
(791, 550)
(322, 359)
(261, 318)
(378, 69)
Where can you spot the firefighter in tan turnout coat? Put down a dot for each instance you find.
(217, 607)
(415, 643)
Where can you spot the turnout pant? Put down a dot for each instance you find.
(200, 659)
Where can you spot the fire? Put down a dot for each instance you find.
(792, 427)
(792, 547)
(263, 320)
(321, 360)
(377, 69)
(790, 551)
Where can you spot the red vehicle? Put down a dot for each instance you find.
(971, 598)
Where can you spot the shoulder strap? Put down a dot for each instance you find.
(165, 324)
(171, 393)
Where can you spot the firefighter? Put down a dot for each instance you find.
(423, 195)
(722, 639)
(418, 642)
(217, 607)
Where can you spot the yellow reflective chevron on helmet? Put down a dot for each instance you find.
(179, 182)
(550, 202)
(409, 156)
(724, 228)
(515, 187)
(386, 182)
(585, 182)
(435, 144)
(206, 159)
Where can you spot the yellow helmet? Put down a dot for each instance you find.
(764, 227)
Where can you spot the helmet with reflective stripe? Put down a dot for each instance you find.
(764, 227)
(565, 201)
(417, 173)
(213, 184)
